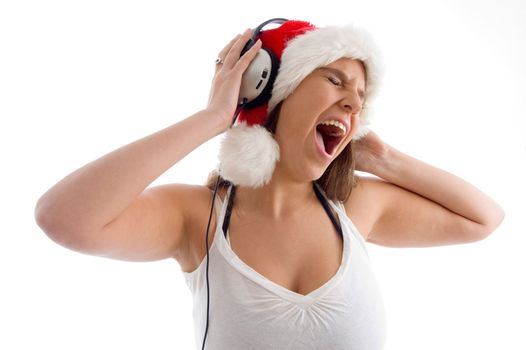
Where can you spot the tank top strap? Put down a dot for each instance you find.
(218, 202)
(229, 200)
(340, 206)
(354, 230)
(220, 207)
(325, 203)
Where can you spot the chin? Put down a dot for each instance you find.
(317, 173)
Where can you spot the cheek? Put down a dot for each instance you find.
(319, 100)
(302, 114)
(294, 117)
(308, 99)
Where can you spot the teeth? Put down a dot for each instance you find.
(337, 124)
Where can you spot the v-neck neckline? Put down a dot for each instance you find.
(285, 293)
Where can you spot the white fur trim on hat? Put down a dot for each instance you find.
(248, 155)
(320, 47)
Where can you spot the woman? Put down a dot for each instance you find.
(285, 271)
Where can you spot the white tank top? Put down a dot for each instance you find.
(249, 311)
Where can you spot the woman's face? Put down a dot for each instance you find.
(332, 92)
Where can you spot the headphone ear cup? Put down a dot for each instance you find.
(258, 79)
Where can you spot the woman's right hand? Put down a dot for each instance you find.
(224, 93)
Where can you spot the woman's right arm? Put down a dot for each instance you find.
(76, 210)
(103, 208)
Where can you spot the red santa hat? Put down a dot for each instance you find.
(248, 152)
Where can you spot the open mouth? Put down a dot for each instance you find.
(331, 134)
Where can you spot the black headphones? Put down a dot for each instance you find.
(258, 79)
(256, 86)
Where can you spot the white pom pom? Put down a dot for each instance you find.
(248, 155)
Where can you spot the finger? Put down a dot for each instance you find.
(248, 56)
(233, 54)
(222, 54)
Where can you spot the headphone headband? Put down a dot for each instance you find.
(258, 30)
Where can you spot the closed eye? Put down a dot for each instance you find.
(338, 82)
(335, 81)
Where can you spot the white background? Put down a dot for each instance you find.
(79, 79)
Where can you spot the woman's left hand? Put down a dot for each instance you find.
(370, 152)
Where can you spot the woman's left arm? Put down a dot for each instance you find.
(423, 205)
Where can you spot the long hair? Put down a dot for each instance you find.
(337, 181)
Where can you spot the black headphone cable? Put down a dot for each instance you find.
(238, 109)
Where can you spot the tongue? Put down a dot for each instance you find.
(320, 141)
(328, 142)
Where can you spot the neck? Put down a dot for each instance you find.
(281, 198)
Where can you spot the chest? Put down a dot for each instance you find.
(298, 254)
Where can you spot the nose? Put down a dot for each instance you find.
(352, 102)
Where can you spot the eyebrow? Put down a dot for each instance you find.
(342, 76)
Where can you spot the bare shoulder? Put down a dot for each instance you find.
(364, 205)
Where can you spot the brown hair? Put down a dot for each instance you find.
(337, 181)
